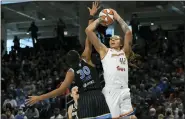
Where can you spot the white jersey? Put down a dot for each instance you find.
(115, 66)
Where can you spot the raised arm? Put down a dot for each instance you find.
(59, 91)
(100, 47)
(88, 46)
(127, 46)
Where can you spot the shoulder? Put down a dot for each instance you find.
(25, 117)
(70, 70)
(36, 110)
(13, 100)
(108, 51)
(12, 116)
(128, 55)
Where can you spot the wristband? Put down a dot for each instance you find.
(91, 17)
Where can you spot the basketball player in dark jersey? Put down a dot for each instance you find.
(91, 103)
(72, 110)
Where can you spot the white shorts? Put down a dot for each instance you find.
(118, 100)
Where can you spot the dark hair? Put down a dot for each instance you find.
(72, 58)
(180, 113)
(168, 113)
(8, 105)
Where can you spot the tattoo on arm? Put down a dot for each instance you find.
(124, 25)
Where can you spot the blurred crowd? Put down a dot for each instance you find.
(157, 83)
(35, 74)
(156, 79)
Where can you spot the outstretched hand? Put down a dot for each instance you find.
(95, 8)
(32, 100)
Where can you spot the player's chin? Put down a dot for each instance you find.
(112, 46)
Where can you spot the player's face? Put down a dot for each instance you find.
(115, 42)
(74, 93)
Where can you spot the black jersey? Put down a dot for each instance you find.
(74, 111)
(86, 77)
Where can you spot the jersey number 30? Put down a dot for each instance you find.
(85, 71)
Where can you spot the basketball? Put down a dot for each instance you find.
(107, 16)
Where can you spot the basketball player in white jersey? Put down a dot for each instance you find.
(115, 66)
(72, 110)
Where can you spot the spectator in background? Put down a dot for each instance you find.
(21, 100)
(16, 44)
(169, 114)
(8, 106)
(3, 116)
(152, 114)
(180, 115)
(11, 101)
(143, 93)
(72, 110)
(57, 114)
(32, 113)
(160, 116)
(20, 114)
(9, 114)
(34, 32)
(28, 88)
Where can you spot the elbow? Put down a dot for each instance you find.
(88, 30)
(128, 33)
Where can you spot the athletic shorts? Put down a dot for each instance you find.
(118, 100)
(92, 104)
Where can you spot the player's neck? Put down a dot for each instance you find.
(117, 49)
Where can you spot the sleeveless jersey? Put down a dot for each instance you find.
(86, 77)
(74, 111)
(115, 68)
